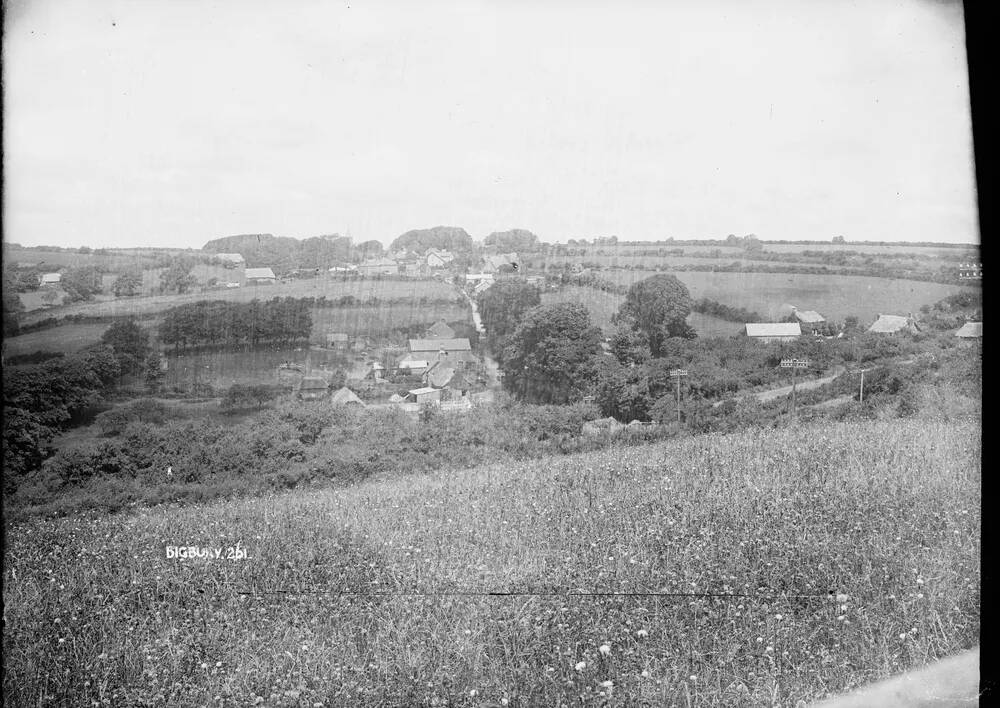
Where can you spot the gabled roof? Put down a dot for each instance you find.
(51, 278)
(396, 398)
(252, 273)
(434, 345)
(421, 391)
(345, 395)
(970, 330)
(892, 323)
(440, 330)
(408, 363)
(439, 376)
(773, 329)
(809, 316)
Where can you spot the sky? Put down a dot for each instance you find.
(151, 123)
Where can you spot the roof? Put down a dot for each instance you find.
(773, 329)
(890, 323)
(252, 273)
(396, 398)
(234, 257)
(439, 376)
(346, 395)
(809, 316)
(408, 363)
(970, 329)
(426, 389)
(313, 382)
(459, 381)
(440, 330)
(434, 345)
(51, 277)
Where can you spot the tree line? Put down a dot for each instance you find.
(213, 322)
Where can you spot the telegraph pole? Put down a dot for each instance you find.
(676, 375)
(861, 394)
(794, 365)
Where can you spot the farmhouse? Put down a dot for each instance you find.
(50, 279)
(337, 340)
(259, 276)
(346, 397)
(773, 331)
(312, 388)
(440, 330)
(439, 259)
(455, 352)
(893, 324)
(234, 258)
(970, 331)
(378, 266)
(424, 395)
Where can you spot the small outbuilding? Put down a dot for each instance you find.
(346, 397)
(894, 324)
(262, 276)
(427, 394)
(312, 388)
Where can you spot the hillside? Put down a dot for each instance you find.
(376, 594)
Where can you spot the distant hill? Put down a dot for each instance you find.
(516, 240)
(452, 238)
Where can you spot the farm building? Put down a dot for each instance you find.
(808, 316)
(338, 340)
(893, 324)
(459, 385)
(773, 331)
(50, 279)
(970, 330)
(396, 398)
(234, 258)
(312, 388)
(345, 268)
(378, 266)
(424, 395)
(411, 365)
(259, 275)
(453, 351)
(438, 259)
(346, 397)
(440, 330)
(482, 286)
(375, 370)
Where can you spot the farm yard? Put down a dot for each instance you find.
(808, 562)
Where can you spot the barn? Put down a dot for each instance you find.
(773, 331)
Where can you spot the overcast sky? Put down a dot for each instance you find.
(172, 123)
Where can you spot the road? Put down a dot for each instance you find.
(492, 367)
(806, 385)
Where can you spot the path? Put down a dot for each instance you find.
(492, 367)
(773, 393)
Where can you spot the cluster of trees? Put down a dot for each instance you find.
(284, 253)
(516, 240)
(42, 399)
(502, 308)
(217, 322)
(725, 312)
(449, 238)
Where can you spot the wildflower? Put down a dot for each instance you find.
(581, 666)
(604, 649)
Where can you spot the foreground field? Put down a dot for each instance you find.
(524, 584)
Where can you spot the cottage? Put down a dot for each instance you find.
(970, 331)
(378, 266)
(773, 331)
(455, 352)
(346, 397)
(259, 276)
(50, 279)
(424, 395)
(233, 258)
(312, 388)
(894, 324)
(440, 330)
(337, 340)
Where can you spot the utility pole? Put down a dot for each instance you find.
(861, 394)
(794, 365)
(676, 375)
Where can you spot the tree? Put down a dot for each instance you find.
(550, 356)
(629, 346)
(839, 239)
(501, 307)
(658, 307)
(129, 283)
(177, 277)
(516, 240)
(153, 372)
(81, 283)
(130, 344)
(12, 306)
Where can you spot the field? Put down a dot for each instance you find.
(379, 594)
(835, 296)
(317, 287)
(64, 338)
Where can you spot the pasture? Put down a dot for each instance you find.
(791, 564)
(835, 296)
(325, 285)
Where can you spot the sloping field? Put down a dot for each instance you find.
(835, 296)
(692, 573)
(317, 287)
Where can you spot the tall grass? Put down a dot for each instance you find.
(886, 513)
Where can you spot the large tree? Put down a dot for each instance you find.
(517, 240)
(501, 307)
(81, 283)
(128, 283)
(452, 238)
(130, 344)
(658, 307)
(550, 356)
(177, 277)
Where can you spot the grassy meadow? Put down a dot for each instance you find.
(379, 594)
